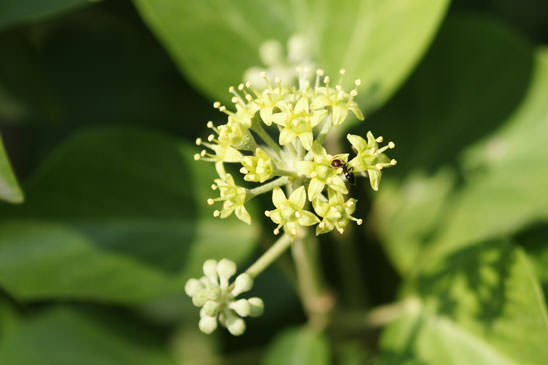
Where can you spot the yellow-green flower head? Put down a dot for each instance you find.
(257, 168)
(336, 212)
(298, 122)
(277, 136)
(290, 213)
(233, 198)
(217, 297)
(321, 173)
(369, 157)
(336, 100)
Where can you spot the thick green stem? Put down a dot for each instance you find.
(270, 255)
(250, 194)
(317, 301)
(258, 128)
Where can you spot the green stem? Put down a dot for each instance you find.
(270, 255)
(250, 194)
(317, 301)
(258, 128)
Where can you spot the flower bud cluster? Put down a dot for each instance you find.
(276, 135)
(217, 297)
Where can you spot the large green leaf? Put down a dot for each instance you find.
(482, 305)
(9, 189)
(470, 133)
(15, 11)
(64, 336)
(215, 41)
(299, 346)
(115, 215)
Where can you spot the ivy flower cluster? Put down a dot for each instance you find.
(217, 297)
(275, 136)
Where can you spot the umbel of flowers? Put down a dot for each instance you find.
(276, 136)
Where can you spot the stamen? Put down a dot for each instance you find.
(341, 72)
(210, 201)
(216, 213)
(196, 156)
(267, 213)
(198, 141)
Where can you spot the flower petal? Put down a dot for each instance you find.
(298, 197)
(278, 197)
(308, 218)
(242, 214)
(315, 187)
(357, 142)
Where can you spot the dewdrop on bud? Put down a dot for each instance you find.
(243, 283)
(257, 306)
(208, 324)
(242, 307)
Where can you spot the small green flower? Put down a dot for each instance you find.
(336, 212)
(337, 101)
(370, 157)
(298, 122)
(233, 198)
(321, 173)
(257, 168)
(217, 297)
(290, 213)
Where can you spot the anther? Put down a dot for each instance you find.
(359, 222)
(216, 213)
(267, 213)
(196, 156)
(379, 139)
(217, 104)
(243, 170)
(213, 187)
(210, 124)
(276, 231)
(210, 138)
(393, 162)
(198, 141)
(391, 145)
(210, 201)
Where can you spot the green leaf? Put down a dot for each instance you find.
(15, 11)
(215, 41)
(9, 189)
(534, 241)
(481, 305)
(299, 346)
(64, 336)
(116, 215)
(470, 131)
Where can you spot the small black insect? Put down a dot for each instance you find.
(347, 171)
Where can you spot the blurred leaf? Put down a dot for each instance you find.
(482, 305)
(15, 11)
(9, 189)
(116, 215)
(299, 346)
(9, 317)
(535, 242)
(215, 41)
(65, 336)
(469, 132)
(81, 70)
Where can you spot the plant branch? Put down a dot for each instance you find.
(270, 255)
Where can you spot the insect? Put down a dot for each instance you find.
(347, 171)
